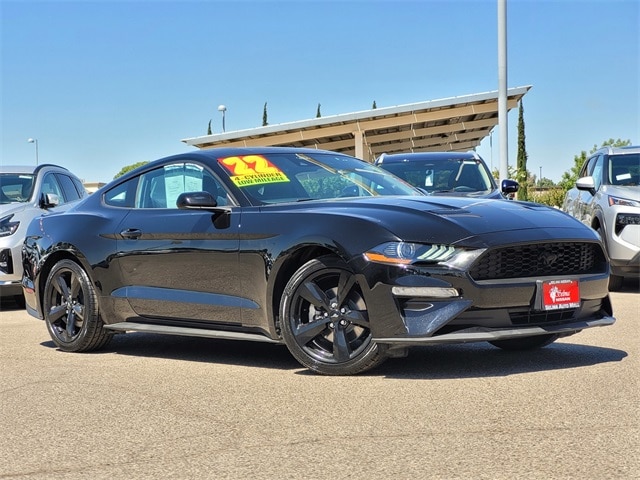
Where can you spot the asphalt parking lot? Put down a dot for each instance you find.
(188, 408)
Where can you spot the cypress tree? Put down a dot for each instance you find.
(522, 175)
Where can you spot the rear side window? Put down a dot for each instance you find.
(123, 195)
(68, 188)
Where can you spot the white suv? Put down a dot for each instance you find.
(607, 198)
(27, 192)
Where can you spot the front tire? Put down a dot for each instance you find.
(525, 343)
(325, 322)
(70, 308)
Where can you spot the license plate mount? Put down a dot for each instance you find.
(557, 294)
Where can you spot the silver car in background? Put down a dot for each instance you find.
(606, 197)
(27, 192)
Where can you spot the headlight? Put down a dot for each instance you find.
(622, 201)
(406, 253)
(7, 227)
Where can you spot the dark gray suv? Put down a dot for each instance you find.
(460, 174)
(27, 192)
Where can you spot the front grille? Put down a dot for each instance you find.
(543, 259)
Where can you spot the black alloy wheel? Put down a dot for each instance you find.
(71, 309)
(325, 322)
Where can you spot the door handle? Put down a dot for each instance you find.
(131, 233)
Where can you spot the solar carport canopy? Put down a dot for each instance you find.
(451, 124)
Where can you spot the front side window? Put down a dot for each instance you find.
(597, 172)
(161, 187)
(50, 185)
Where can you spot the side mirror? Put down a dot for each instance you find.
(586, 183)
(196, 200)
(509, 186)
(49, 200)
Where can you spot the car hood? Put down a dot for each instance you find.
(454, 219)
(482, 194)
(623, 191)
(13, 208)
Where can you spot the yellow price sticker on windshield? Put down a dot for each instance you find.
(252, 170)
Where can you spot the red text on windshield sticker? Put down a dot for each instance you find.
(252, 170)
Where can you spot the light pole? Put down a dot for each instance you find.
(223, 109)
(34, 140)
(540, 179)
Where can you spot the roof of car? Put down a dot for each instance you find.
(27, 169)
(619, 150)
(416, 156)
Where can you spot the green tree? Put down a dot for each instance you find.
(545, 182)
(209, 128)
(318, 112)
(128, 168)
(264, 115)
(511, 172)
(552, 197)
(522, 175)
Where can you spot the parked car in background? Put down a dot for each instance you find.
(27, 192)
(337, 259)
(447, 173)
(607, 198)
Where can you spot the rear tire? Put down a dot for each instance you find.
(70, 307)
(325, 322)
(525, 343)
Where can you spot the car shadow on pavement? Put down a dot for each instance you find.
(480, 360)
(475, 360)
(196, 349)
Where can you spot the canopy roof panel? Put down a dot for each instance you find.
(450, 124)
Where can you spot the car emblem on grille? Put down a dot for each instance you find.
(548, 258)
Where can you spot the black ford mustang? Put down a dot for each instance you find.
(344, 263)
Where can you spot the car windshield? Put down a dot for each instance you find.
(290, 177)
(446, 175)
(624, 169)
(15, 187)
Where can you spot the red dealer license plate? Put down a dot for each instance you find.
(558, 294)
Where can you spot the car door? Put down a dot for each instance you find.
(180, 265)
(587, 199)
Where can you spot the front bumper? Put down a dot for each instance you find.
(484, 334)
(481, 311)
(10, 272)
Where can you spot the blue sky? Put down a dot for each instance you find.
(104, 84)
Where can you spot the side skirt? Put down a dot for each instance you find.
(189, 332)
